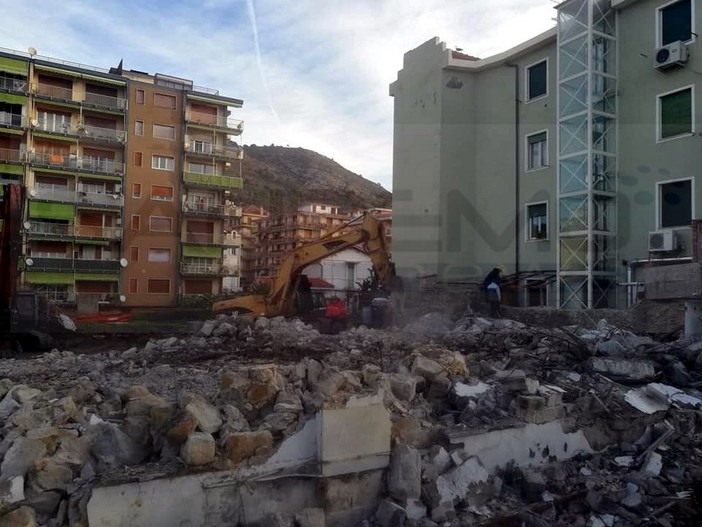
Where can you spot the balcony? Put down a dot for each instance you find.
(44, 228)
(62, 193)
(203, 209)
(211, 180)
(201, 238)
(198, 148)
(11, 155)
(54, 127)
(104, 101)
(234, 126)
(89, 231)
(13, 120)
(231, 240)
(207, 269)
(75, 265)
(13, 85)
(54, 93)
(95, 133)
(74, 162)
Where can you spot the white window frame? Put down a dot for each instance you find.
(165, 198)
(527, 155)
(659, 204)
(526, 80)
(161, 218)
(527, 223)
(659, 120)
(155, 164)
(659, 22)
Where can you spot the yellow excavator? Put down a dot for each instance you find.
(282, 297)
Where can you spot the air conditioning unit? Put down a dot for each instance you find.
(670, 56)
(661, 241)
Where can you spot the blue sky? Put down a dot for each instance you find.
(312, 73)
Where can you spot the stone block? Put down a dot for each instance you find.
(183, 425)
(207, 416)
(552, 394)
(623, 369)
(113, 448)
(11, 490)
(427, 368)
(54, 476)
(404, 387)
(22, 517)
(21, 456)
(198, 449)
(243, 445)
(404, 476)
(390, 514)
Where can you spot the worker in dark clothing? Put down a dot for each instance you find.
(305, 303)
(493, 292)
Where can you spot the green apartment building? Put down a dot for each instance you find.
(570, 159)
(127, 178)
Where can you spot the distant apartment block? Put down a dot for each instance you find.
(127, 177)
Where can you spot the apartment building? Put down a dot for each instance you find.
(570, 159)
(127, 177)
(248, 229)
(278, 236)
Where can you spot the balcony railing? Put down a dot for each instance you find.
(208, 269)
(201, 238)
(101, 134)
(16, 85)
(105, 101)
(12, 119)
(87, 163)
(50, 125)
(10, 154)
(89, 231)
(209, 149)
(215, 121)
(62, 193)
(77, 265)
(203, 209)
(229, 240)
(210, 180)
(79, 231)
(53, 92)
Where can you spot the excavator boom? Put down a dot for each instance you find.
(281, 298)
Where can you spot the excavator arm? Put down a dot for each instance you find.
(281, 298)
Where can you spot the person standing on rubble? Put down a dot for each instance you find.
(493, 292)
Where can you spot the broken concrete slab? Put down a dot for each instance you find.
(623, 369)
(404, 476)
(455, 484)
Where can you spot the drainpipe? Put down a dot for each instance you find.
(517, 155)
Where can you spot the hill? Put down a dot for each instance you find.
(281, 178)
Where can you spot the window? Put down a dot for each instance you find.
(162, 131)
(133, 286)
(136, 222)
(537, 151)
(201, 168)
(160, 224)
(202, 147)
(161, 193)
(162, 162)
(537, 221)
(675, 111)
(158, 255)
(164, 101)
(159, 286)
(675, 22)
(136, 190)
(140, 96)
(536, 79)
(134, 253)
(139, 128)
(675, 203)
(138, 158)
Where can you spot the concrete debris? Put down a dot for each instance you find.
(492, 422)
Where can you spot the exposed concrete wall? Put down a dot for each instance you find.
(348, 446)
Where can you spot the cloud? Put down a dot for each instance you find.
(317, 77)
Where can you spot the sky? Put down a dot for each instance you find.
(312, 73)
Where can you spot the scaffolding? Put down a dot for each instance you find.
(587, 212)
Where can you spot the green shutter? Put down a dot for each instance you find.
(90, 277)
(12, 98)
(60, 71)
(103, 79)
(202, 252)
(676, 113)
(52, 211)
(18, 67)
(37, 277)
(17, 170)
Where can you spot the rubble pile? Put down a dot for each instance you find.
(493, 422)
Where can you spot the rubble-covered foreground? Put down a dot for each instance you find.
(493, 422)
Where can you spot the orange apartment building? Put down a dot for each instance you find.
(248, 230)
(127, 177)
(278, 236)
